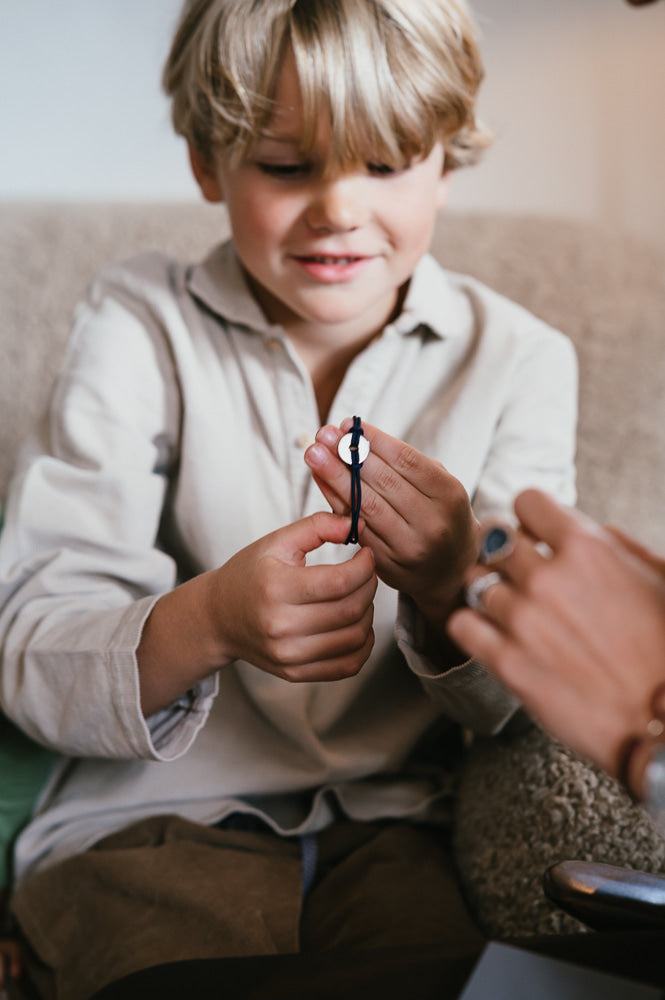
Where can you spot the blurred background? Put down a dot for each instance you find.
(575, 95)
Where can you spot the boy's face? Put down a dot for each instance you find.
(325, 256)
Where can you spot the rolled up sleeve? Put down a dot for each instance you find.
(80, 562)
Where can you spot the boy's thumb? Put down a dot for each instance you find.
(310, 533)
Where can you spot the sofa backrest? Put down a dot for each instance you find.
(605, 291)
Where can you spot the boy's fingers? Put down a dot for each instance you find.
(337, 640)
(333, 668)
(305, 584)
(335, 582)
(292, 543)
(410, 464)
(337, 504)
(383, 489)
(331, 474)
(327, 615)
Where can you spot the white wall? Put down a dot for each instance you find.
(575, 94)
(81, 110)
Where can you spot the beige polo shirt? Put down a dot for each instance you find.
(174, 438)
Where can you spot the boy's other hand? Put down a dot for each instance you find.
(299, 622)
(418, 518)
(11, 962)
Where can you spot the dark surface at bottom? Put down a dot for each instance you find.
(420, 973)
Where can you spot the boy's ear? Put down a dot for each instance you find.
(443, 189)
(205, 175)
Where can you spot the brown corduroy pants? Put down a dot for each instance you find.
(167, 889)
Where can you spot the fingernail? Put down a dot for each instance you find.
(316, 455)
(328, 435)
(496, 543)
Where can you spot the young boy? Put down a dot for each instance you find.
(176, 597)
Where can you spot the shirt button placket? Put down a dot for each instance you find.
(296, 400)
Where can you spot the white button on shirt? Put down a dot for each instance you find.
(170, 447)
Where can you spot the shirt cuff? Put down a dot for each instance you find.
(465, 692)
(169, 733)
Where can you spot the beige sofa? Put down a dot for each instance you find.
(604, 290)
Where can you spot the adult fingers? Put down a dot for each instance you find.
(479, 636)
(516, 615)
(509, 551)
(637, 549)
(549, 521)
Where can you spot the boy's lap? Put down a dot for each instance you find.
(166, 890)
(396, 889)
(162, 890)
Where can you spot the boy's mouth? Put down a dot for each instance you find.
(332, 268)
(329, 260)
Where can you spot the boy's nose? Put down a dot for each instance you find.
(337, 206)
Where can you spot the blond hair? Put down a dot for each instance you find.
(393, 76)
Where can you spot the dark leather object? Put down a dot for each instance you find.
(606, 897)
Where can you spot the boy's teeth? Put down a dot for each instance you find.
(333, 260)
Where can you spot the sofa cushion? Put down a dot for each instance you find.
(606, 291)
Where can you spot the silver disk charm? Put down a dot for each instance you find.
(344, 449)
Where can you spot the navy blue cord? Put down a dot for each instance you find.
(356, 493)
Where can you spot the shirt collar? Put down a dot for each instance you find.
(433, 300)
(219, 282)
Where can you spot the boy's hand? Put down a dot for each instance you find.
(11, 962)
(302, 623)
(418, 518)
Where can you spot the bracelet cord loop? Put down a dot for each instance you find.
(356, 491)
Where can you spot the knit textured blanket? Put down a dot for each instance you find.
(526, 803)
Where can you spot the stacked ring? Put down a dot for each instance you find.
(477, 589)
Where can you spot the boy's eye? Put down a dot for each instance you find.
(283, 169)
(381, 169)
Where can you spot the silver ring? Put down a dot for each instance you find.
(478, 587)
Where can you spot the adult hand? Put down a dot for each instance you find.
(578, 633)
(418, 518)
